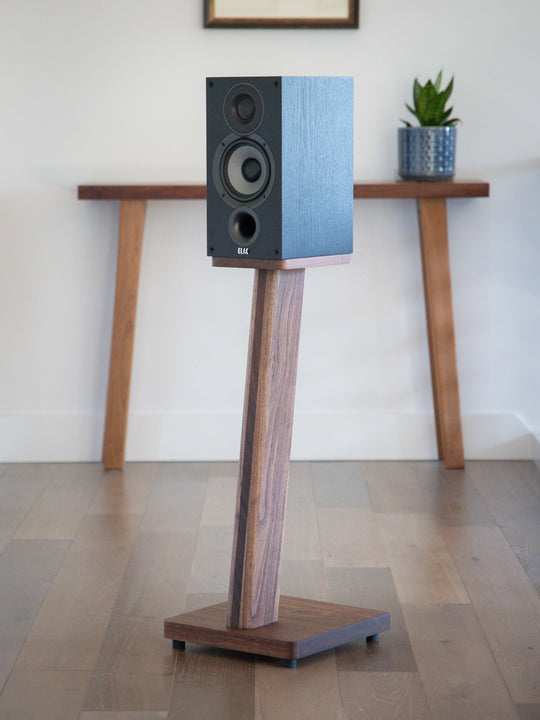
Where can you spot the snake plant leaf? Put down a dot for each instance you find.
(437, 110)
(410, 109)
(448, 90)
(424, 100)
(417, 89)
(447, 114)
(430, 102)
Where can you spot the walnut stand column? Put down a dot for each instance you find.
(256, 619)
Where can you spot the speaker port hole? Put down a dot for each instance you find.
(245, 226)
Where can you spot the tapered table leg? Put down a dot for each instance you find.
(131, 226)
(440, 322)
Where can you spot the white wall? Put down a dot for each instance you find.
(98, 91)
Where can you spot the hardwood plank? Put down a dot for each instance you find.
(21, 484)
(528, 712)
(460, 677)
(141, 693)
(20, 487)
(203, 666)
(311, 691)
(421, 565)
(394, 487)
(220, 501)
(265, 447)
(339, 484)
(372, 587)
(383, 696)
(27, 569)
(212, 559)
(350, 538)
(43, 695)
(506, 603)
(432, 223)
(196, 601)
(176, 500)
(157, 575)
(153, 586)
(452, 497)
(212, 683)
(301, 539)
(123, 715)
(61, 507)
(71, 622)
(304, 579)
(134, 645)
(126, 492)
(130, 236)
(9, 524)
(223, 701)
(512, 493)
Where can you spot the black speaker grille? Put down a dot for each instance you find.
(231, 119)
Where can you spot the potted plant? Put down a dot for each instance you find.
(428, 152)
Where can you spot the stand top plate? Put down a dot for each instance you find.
(284, 264)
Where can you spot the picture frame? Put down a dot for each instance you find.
(330, 14)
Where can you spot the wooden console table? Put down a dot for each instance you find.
(431, 203)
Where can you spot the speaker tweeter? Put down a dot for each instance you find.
(243, 108)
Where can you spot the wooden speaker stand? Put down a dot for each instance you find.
(255, 619)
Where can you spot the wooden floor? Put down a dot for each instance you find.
(91, 563)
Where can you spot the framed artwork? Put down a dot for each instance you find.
(281, 13)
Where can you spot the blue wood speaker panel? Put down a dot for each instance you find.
(317, 166)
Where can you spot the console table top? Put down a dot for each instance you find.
(362, 190)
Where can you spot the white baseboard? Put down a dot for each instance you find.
(316, 436)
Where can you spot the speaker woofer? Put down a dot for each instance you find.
(243, 108)
(243, 170)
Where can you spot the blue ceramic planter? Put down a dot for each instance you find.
(427, 153)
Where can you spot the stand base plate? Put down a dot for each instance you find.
(305, 627)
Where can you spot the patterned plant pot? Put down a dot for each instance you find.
(427, 153)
